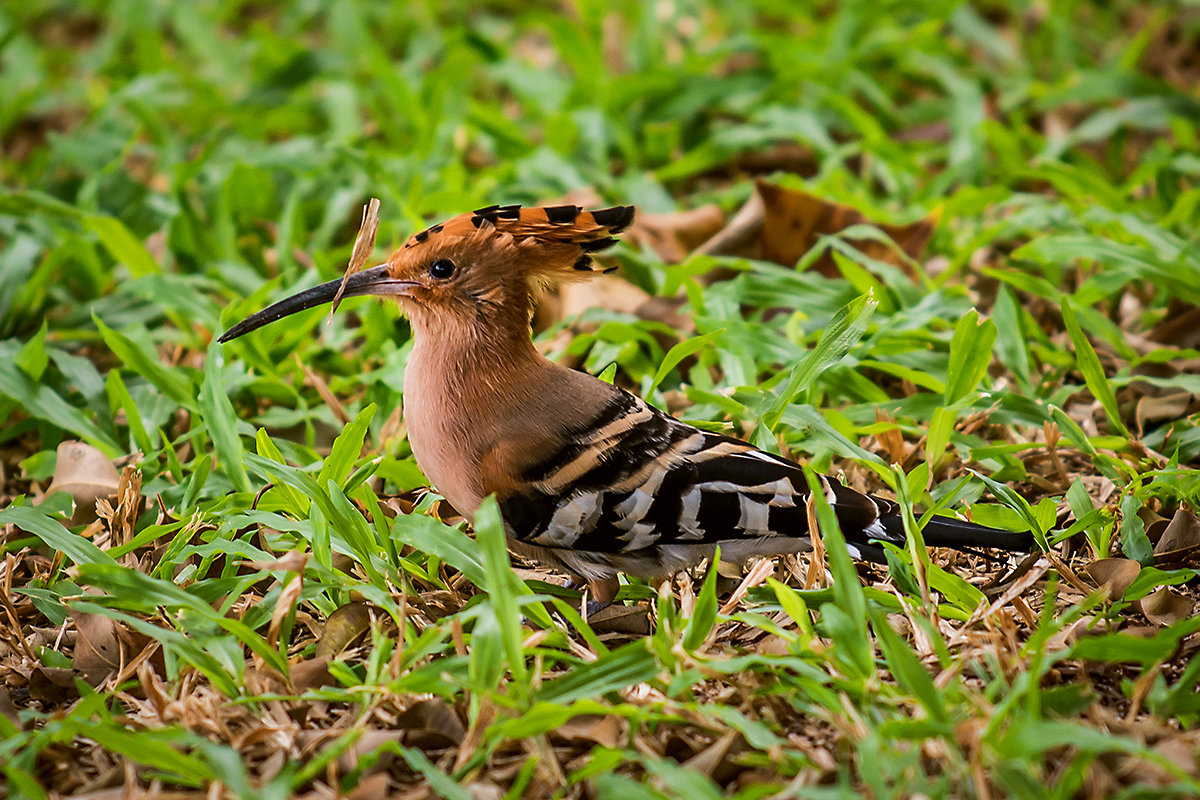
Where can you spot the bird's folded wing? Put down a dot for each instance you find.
(637, 478)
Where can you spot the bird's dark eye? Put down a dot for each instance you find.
(442, 269)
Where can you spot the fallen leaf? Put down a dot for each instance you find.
(1165, 607)
(292, 561)
(7, 709)
(713, 757)
(97, 648)
(1167, 408)
(675, 235)
(741, 234)
(285, 605)
(891, 439)
(52, 685)
(794, 221)
(1071, 634)
(346, 624)
(311, 674)
(606, 730)
(103, 646)
(772, 645)
(486, 790)
(87, 475)
(376, 786)
(1180, 327)
(1113, 575)
(367, 745)
(621, 619)
(612, 293)
(1156, 529)
(1182, 750)
(431, 725)
(1183, 533)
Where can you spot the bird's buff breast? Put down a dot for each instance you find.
(440, 442)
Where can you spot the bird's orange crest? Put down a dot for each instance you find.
(489, 258)
(559, 230)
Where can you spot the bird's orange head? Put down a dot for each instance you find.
(477, 264)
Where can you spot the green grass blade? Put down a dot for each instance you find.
(1093, 372)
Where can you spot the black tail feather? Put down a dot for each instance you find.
(957, 533)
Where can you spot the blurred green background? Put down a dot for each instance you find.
(169, 167)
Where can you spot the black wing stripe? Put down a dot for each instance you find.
(635, 479)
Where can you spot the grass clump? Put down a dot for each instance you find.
(948, 251)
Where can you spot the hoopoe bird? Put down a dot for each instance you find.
(590, 479)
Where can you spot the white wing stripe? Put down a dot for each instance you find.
(754, 520)
(689, 518)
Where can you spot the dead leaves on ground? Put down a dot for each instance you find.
(87, 475)
(781, 225)
(794, 221)
(777, 224)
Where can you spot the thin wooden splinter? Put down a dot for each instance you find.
(364, 244)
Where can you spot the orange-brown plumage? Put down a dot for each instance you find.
(480, 402)
(590, 478)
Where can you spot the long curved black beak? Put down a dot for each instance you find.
(375, 280)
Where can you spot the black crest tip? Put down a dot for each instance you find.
(616, 219)
(597, 244)
(561, 215)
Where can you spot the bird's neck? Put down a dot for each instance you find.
(471, 357)
(468, 391)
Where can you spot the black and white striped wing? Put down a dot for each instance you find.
(637, 480)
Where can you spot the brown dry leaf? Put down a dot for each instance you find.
(344, 626)
(368, 744)
(311, 674)
(1167, 408)
(741, 234)
(431, 725)
(285, 604)
(606, 730)
(487, 790)
(1180, 327)
(7, 709)
(1069, 635)
(1113, 575)
(87, 475)
(364, 243)
(772, 645)
(52, 685)
(675, 235)
(292, 561)
(711, 758)
(122, 519)
(814, 578)
(1165, 607)
(758, 573)
(621, 619)
(892, 440)
(612, 293)
(376, 786)
(794, 220)
(103, 646)
(128, 793)
(1183, 533)
(97, 647)
(1156, 529)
